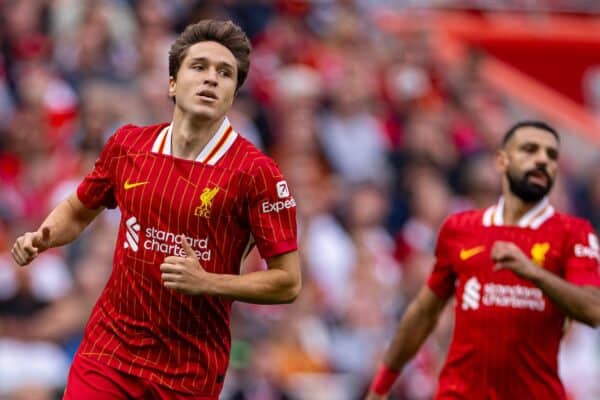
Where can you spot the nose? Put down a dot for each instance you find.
(211, 77)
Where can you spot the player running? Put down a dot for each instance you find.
(517, 270)
(194, 198)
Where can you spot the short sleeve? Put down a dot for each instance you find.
(582, 264)
(442, 280)
(271, 211)
(97, 188)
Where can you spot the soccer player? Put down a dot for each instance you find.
(517, 270)
(194, 198)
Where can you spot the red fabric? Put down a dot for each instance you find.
(93, 380)
(507, 332)
(138, 326)
(383, 380)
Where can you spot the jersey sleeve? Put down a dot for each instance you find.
(97, 188)
(271, 211)
(442, 279)
(582, 264)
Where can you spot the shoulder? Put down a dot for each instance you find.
(135, 136)
(571, 224)
(470, 219)
(250, 160)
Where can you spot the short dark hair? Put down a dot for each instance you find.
(529, 124)
(226, 33)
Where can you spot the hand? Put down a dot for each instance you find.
(508, 255)
(185, 274)
(28, 246)
(373, 396)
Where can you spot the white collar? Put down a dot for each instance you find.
(212, 152)
(534, 218)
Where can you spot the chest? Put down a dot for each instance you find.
(470, 251)
(153, 185)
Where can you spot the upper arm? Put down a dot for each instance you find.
(582, 257)
(97, 188)
(443, 276)
(288, 262)
(428, 302)
(271, 211)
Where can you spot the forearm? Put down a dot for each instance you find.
(416, 325)
(580, 303)
(67, 221)
(273, 286)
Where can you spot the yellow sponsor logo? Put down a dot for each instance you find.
(538, 253)
(132, 185)
(465, 254)
(206, 199)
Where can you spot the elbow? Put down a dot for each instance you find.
(292, 292)
(594, 321)
(592, 317)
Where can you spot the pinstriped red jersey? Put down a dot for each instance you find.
(507, 331)
(230, 198)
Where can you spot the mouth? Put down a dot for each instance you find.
(207, 95)
(539, 178)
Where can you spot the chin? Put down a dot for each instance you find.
(203, 112)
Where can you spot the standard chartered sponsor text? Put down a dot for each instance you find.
(170, 243)
(513, 296)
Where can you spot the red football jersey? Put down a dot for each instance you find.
(230, 198)
(507, 332)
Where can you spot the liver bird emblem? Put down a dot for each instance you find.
(206, 200)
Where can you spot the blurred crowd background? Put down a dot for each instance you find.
(379, 140)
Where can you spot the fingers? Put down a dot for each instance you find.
(504, 251)
(173, 260)
(24, 251)
(171, 268)
(187, 248)
(167, 277)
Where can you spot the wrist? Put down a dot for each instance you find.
(210, 285)
(383, 380)
(533, 273)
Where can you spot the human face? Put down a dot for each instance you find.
(529, 161)
(206, 81)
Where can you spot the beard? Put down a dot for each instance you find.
(524, 189)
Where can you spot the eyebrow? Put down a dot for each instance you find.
(204, 59)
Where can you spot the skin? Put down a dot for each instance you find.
(207, 67)
(204, 90)
(528, 149)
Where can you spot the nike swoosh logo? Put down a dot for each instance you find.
(465, 254)
(128, 185)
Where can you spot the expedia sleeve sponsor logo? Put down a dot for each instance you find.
(277, 206)
(592, 250)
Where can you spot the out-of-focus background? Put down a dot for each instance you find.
(384, 117)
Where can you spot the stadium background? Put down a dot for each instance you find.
(383, 115)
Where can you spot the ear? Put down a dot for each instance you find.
(172, 87)
(501, 161)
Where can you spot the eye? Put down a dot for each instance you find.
(552, 154)
(198, 67)
(529, 148)
(225, 72)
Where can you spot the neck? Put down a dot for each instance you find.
(515, 208)
(190, 135)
